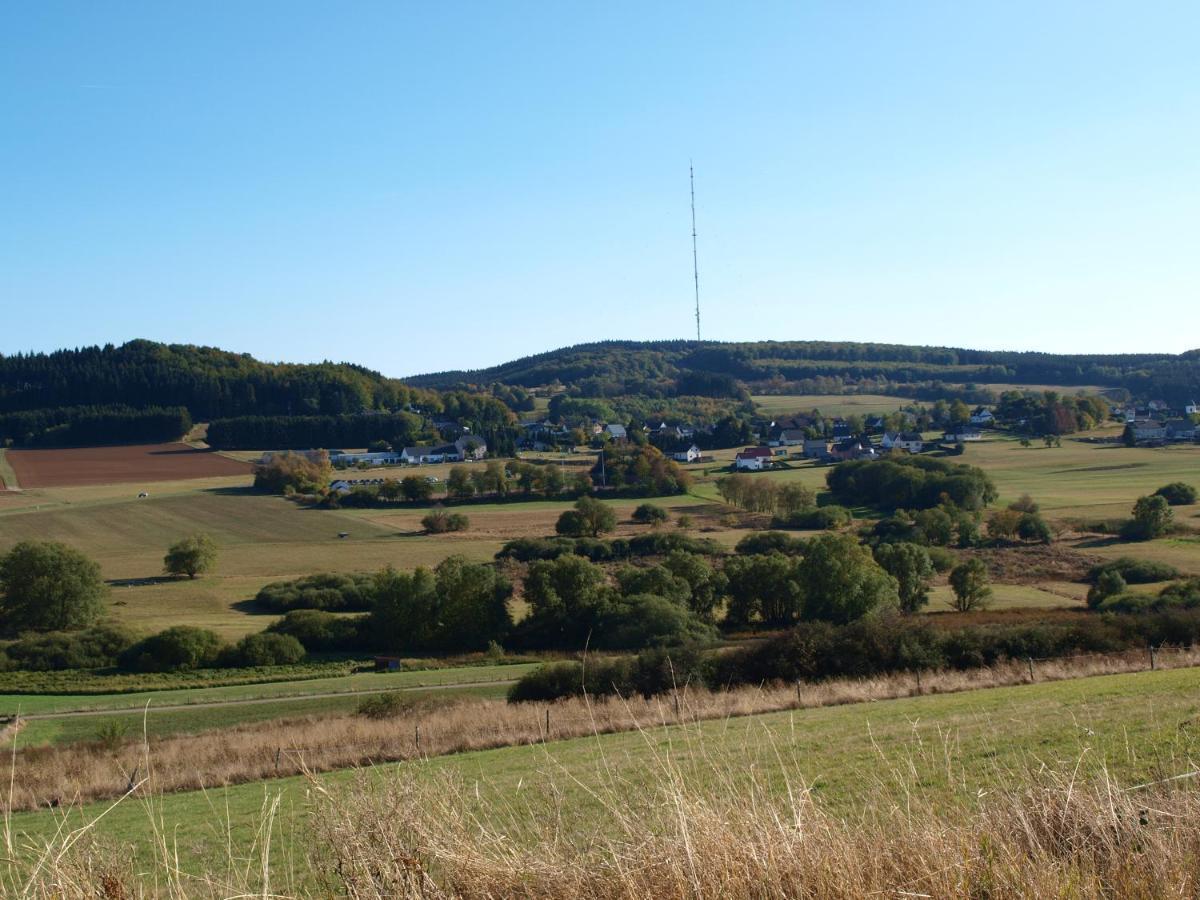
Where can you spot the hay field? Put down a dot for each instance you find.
(829, 404)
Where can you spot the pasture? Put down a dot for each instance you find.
(947, 750)
(131, 464)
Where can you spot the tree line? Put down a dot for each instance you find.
(77, 425)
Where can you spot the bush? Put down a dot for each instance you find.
(529, 549)
(1177, 493)
(816, 517)
(1109, 584)
(327, 591)
(647, 620)
(770, 542)
(48, 586)
(649, 514)
(1135, 571)
(95, 648)
(943, 560)
(384, 706)
(548, 682)
(438, 521)
(264, 649)
(176, 649)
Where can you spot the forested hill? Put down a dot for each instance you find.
(208, 382)
(611, 368)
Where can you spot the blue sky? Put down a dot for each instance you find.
(417, 187)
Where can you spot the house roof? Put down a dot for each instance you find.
(911, 436)
(754, 453)
(615, 430)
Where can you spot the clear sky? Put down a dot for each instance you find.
(428, 186)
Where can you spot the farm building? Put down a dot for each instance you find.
(1180, 430)
(1148, 430)
(961, 433)
(853, 448)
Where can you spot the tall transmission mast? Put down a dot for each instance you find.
(695, 263)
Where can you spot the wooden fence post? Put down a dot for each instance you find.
(1152, 660)
(417, 735)
(1030, 661)
(799, 699)
(918, 681)
(547, 723)
(278, 750)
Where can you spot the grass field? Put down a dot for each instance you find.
(947, 749)
(829, 404)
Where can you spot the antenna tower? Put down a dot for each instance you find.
(695, 263)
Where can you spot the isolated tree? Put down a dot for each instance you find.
(438, 521)
(415, 487)
(191, 556)
(912, 568)
(49, 586)
(1152, 517)
(969, 581)
(589, 518)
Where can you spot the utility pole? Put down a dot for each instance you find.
(695, 261)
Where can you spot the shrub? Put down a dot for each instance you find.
(647, 620)
(384, 706)
(943, 560)
(816, 517)
(327, 591)
(264, 649)
(649, 514)
(176, 649)
(438, 521)
(770, 542)
(910, 565)
(1109, 584)
(1135, 571)
(528, 549)
(1033, 527)
(1177, 493)
(548, 682)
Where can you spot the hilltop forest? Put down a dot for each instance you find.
(146, 391)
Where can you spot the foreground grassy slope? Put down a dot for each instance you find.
(947, 748)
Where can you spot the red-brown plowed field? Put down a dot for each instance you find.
(108, 465)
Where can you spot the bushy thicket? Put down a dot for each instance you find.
(92, 648)
(816, 650)
(655, 543)
(643, 470)
(814, 518)
(1177, 493)
(329, 591)
(910, 482)
(1135, 571)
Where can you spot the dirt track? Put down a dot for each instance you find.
(108, 465)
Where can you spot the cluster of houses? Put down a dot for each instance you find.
(841, 448)
(1154, 431)
(467, 448)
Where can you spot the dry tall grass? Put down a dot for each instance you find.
(60, 776)
(402, 834)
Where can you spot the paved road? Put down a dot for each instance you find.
(247, 702)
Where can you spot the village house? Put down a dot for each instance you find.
(981, 415)
(962, 433)
(375, 458)
(1191, 409)
(817, 448)
(1148, 430)
(753, 459)
(787, 437)
(616, 432)
(909, 441)
(1180, 430)
(853, 448)
(691, 454)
